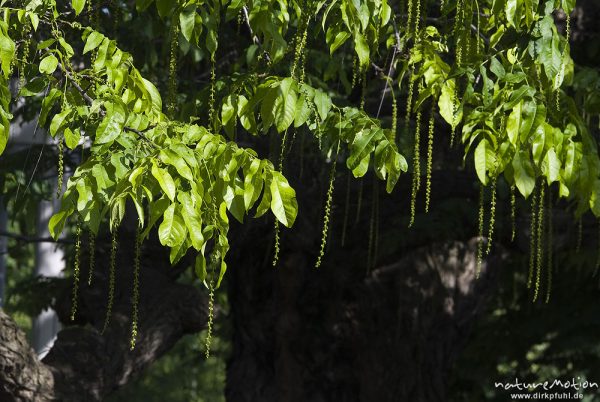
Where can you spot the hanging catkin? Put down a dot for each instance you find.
(75, 293)
(172, 85)
(513, 213)
(328, 202)
(135, 298)
(492, 223)
(92, 252)
(539, 242)
(532, 237)
(416, 179)
(480, 217)
(111, 279)
(61, 167)
(429, 157)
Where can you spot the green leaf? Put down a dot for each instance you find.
(7, 50)
(283, 200)
(512, 12)
(481, 161)
(57, 223)
(112, 124)
(171, 158)
(253, 184)
(200, 267)
(336, 39)
(48, 64)
(285, 108)
(58, 121)
(93, 40)
(72, 138)
(164, 7)
(513, 123)
(172, 231)
(447, 103)
(567, 6)
(303, 111)
(322, 103)
(192, 220)
(187, 20)
(78, 6)
(524, 173)
(551, 166)
(164, 180)
(156, 210)
(47, 104)
(362, 49)
(4, 132)
(361, 147)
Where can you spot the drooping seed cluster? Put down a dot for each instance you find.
(172, 85)
(492, 222)
(92, 252)
(429, 158)
(111, 278)
(480, 219)
(532, 236)
(135, 299)
(539, 242)
(61, 166)
(75, 292)
(327, 216)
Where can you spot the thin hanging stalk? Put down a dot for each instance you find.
(513, 213)
(539, 242)
(92, 251)
(532, 237)
(111, 279)
(429, 157)
(492, 223)
(327, 217)
(75, 293)
(416, 179)
(480, 232)
(136, 287)
(172, 88)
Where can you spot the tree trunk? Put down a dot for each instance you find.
(345, 332)
(85, 365)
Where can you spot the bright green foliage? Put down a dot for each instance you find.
(186, 174)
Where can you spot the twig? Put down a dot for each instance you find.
(33, 239)
(255, 38)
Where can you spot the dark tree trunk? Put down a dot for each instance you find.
(344, 332)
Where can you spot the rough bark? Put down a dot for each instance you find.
(22, 376)
(85, 365)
